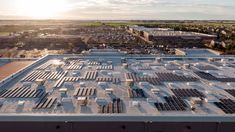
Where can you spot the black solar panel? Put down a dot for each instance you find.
(231, 91)
(84, 92)
(227, 105)
(90, 75)
(45, 103)
(20, 92)
(136, 78)
(136, 93)
(108, 79)
(172, 104)
(43, 75)
(173, 77)
(116, 106)
(187, 93)
(208, 76)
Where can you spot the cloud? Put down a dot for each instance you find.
(145, 9)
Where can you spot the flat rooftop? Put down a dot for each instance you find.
(12, 67)
(161, 32)
(121, 88)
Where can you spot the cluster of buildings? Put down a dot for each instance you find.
(170, 38)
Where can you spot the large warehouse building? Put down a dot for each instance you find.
(98, 91)
(170, 38)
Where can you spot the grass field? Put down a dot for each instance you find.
(4, 33)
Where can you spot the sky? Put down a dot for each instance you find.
(118, 9)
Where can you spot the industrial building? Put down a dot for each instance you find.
(170, 38)
(101, 91)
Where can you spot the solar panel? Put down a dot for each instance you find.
(44, 66)
(187, 93)
(74, 67)
(167, 77)
(85, 92)
(226, 105)
(109, 67)
(19, 92)
(231, 91)
(43, 75)
(208, 76)
(93, 63)
(172, 104)
(90, 75)
(45, 103)
(108, 79)
(136, 93)
(116, 106)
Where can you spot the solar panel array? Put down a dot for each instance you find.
(136, 78)
(116, 106)
(208, 76)
(44, 75)
(45, 103)
(74, 67)
(227, 105)
(168, 77)
(172, 104)
(136, 93)
(231, 91)
(73, 79)
(21, 92)
(59, 82)
(109, 67)
(187, 93)
(44, 66)
(108, 79)
(90, 75)
(85, 92)
(93, 63)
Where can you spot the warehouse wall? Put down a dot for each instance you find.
(115, 127)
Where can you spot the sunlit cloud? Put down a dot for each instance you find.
(120, 9)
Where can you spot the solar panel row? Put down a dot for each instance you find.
(44, 66)
(93, 63)
(110, 67)
(173, 77)
(108, 79)
(136, 78)
(116, 106)
(90, 75)
(85, 92)
(45, 103)
(21, 92)
(172, 104)
(59, 82)
(208, 76)
(231, 91)
(74, 67)
(187, 93)
(44, 75)
(136, 93)
(227, 105)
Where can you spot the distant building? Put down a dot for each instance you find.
(171, 38)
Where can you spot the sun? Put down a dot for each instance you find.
(41, 9)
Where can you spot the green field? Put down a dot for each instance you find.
(4, 33)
